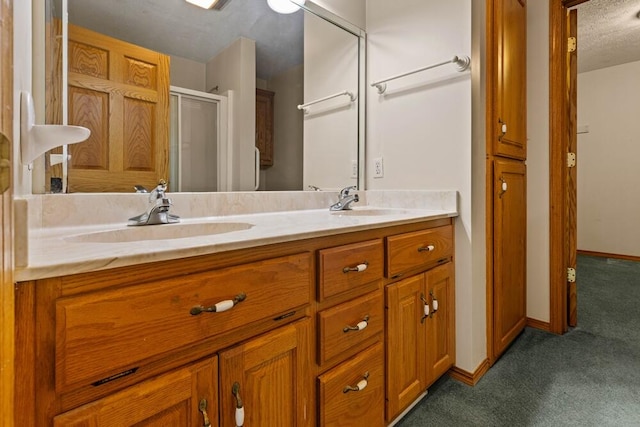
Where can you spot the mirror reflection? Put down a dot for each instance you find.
(210, 99)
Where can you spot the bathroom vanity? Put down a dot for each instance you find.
(305, 318)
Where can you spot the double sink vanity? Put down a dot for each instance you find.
(275, 311)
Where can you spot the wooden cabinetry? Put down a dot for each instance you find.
(420, 315)
(264, 126)
(296, 331)
(269, 378)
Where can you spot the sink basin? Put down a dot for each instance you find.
(371, 212)
(159, 232)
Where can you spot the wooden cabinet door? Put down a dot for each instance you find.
(264, 126)
(509, 263)
(273, 377)
(405, 342)
(121, 93)
(172, 399)
(441, 345)
(511, 102)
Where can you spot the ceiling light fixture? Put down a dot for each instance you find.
(208, 4)
(285, 6)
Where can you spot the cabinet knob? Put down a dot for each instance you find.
(503, 129)
(358, 387)
(219, 307)
(428, 248)
(202, 407)
(427, 310)
(358, 268)
(360, 326)
(235, 389)
(434, 304)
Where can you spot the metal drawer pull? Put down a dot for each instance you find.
(219, 307)
(203, 408)
(427, 248)
(427, 311)
(357, 268)
(360, 326)
(358, 387)
(235, 389)
(434, 303)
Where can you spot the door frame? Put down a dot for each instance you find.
(561, 228)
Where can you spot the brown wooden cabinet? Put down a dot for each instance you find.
(183, 397)
(510, 227)
(301, 342)
(511, 89)
(268, 377)
(264, 126)
(420, 331)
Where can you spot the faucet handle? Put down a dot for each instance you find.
(158, 192)
(345, 191)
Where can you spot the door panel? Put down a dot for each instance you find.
(441, 323)
(510, 225)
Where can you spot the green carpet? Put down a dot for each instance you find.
(588, 377)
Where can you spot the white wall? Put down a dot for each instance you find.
(421, 127)
(538, 281)
(188, 74)
(331, 126)
(286, 172)
(608, 172)
(235, 69)
(351, 10)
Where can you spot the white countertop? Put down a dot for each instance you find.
(58, 251)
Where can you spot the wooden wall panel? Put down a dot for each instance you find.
(90, 108)
(139, 135)
(141, 74)
(88, 60)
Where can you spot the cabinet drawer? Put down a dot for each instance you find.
(411, 251)
(338, 267)
(354, 408)
(102, 334)
(333, 324)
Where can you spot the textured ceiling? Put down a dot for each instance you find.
(178, 28)
(608, 33)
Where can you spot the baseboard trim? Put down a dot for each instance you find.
(470, 378)
(409, 408)
(608, 255)
(538, 324)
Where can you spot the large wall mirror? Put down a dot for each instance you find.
(239, 98)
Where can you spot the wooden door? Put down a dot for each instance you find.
(572, 173)
(177, 398)
(7, 349)
(510, 226)
(406, 343)
(441, 344)
(272, 376)
(121, 93)
(264, 126)
(510, 119)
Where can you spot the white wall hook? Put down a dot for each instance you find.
(35, 140)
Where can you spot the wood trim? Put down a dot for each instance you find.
(571, 3)
(609, 255)
(490, 50)
(470, 378)
(571, 236)
(7, 290)
(557, 178)
(538, 324)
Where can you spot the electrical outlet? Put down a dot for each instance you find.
(378, 168)
(354, 169)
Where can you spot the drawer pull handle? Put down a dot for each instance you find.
(358, 268)
(358, 387)
(219, 307)
(235, 389)
(427, 310)
(203, 409)
(360, 326)
(434, 303)
(427, 248)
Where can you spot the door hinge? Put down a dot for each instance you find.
(571, 160)
(571, 275)
(572, 43)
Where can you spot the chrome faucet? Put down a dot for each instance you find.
(158, 212)
(345, 200)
